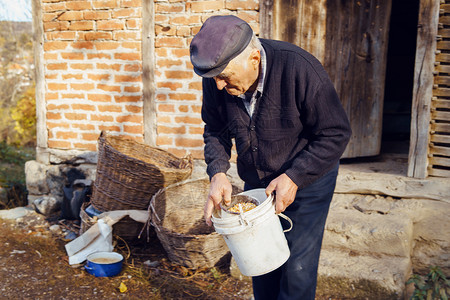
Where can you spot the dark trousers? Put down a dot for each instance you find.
(297, 278)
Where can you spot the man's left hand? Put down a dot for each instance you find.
(285, 192)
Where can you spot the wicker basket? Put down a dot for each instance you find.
(130, 173)
(177, 216)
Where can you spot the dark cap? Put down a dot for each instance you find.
(220, 39)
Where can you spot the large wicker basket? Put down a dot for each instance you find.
(130, 173)
(177, 216)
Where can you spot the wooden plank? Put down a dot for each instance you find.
(444, 32)
(438, 138)
(442, 80)
(439, 172)
(443, 69)
(148, 76)
(266, 19)
(441, 91)
(423, 87)
(439, 150)
(444, 19)
(42, 154)
(441, 103)
(443, 57)
(440, 127)
(440, 161)
(440, 115)
(446, 8)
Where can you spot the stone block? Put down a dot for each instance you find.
(36, 178)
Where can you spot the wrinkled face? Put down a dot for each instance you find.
(239, 77)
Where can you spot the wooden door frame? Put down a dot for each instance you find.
(427, 29)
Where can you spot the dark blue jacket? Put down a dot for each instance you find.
(299, 126)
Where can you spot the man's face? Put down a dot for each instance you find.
(238, 78)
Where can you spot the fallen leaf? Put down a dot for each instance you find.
(122, 287)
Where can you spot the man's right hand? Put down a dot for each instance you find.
(220, 188)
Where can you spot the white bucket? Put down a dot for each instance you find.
(255, 238)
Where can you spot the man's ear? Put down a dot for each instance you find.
(255, 58)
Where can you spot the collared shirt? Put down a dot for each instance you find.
(249, 99)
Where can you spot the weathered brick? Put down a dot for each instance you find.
(171, 130)
(51, 26)
(83, 126)
(196, 130)
(126, 13)
(108, 88)
(183, 96)
(178, 152)
(132, 45)
(80, 106)
(128, 78)
(81, 66)
(56, 86)
(165, 30)
(164, 140)
(52, 125)
(104, 4)
(161, 97)
(57, 66)
(179, 74)
(195, 85)
(127, 56)
(78, 5)
(188, 120)
(53, 116)
(183, 31)
(51, 7)
(51, 96)
(50, 56)
(53, 106)
(169, 8)
(120, 99)
(132, 67)
(138, 129)
(86, 146)
(196, 108)
(188, 142)
(81, 25)
(89, 36)
(161, 19)
(61, 35)
(55, 45)
(83, 45)
(109, 108)
(99, 97)
(242, 4)
(101, 118)
(131, 3)
(97, 15)
(126, 35)
(110, 24)
(72, 76)
(72, 96)
(168, 63)
(109, 128)
(47, 17)
(106, 45)
(98, 56)
(185, 20)
(75, 116)
(129, 119)
(71, 16)
(168, 41)
(89, 136)
(98, 77)
(183, 52)
(163, 119)
(51, 76)
(170, 85)
(204, 6)
(58, 144)
(115, 67)
(134, 23)
(82, 86)
(183, 108)
(133, 108)
(166, 108)
(132, 89)
(66, 135)
(72, 55)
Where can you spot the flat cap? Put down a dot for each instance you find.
(220, 39)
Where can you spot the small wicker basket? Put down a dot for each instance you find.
(129, 173)
(177, 216)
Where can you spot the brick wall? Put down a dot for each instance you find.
(93, 70)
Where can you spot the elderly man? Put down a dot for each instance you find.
(290, 129)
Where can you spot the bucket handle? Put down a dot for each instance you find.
(287, 219)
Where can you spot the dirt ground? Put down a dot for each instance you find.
(34, 265)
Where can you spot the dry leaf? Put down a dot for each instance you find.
(122, 287)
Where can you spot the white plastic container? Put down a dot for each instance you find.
(255, 238)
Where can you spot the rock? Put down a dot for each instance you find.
(347, 275)
(46, 205)
(56, 229)
(14, 213)
(36, 178)
(72, 157)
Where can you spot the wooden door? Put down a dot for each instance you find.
(350, 38)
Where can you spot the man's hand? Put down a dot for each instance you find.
(220, 188)
(285, 192)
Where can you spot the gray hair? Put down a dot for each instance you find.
(254, 44)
